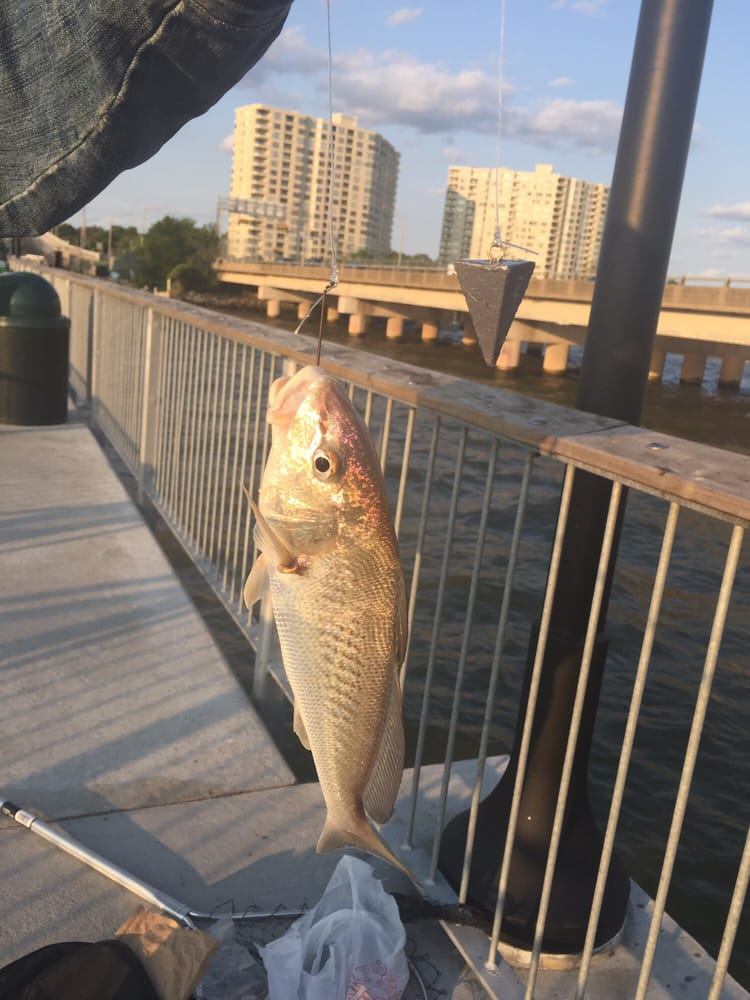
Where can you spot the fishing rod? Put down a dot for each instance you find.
(181, 912)
(411, 908)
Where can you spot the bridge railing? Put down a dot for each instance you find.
(475, 477)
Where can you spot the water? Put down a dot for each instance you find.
(701, 413)
(698, 413)
(717, 814)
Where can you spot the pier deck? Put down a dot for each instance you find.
(120, 720)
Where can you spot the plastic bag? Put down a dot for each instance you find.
(233, 973)
(350, 946)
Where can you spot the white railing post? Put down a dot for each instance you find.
(148, 437)
(93, 351)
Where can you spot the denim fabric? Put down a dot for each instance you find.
(89, 88)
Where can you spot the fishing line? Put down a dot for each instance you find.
(334, 276)
(500, 79)
(331, 153)
(499, 246)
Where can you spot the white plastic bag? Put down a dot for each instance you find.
(233, 974)
(350, 946)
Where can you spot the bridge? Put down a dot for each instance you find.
(696, 321)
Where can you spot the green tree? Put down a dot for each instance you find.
(171, 242)
(68, 233)
(124, 238)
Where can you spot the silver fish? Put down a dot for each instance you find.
(330, 557)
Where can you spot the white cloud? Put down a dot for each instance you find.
(580, 6)
(404, 15)
(594, 125)
(733, 234)
(739, 211)
(395, 88)
(290, 53)
(453, 153)
(561, 81)
(726, 237)
(227, 143)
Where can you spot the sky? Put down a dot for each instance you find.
(427, 77)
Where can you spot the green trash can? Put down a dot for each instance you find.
(34, 342)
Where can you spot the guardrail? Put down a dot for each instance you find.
(480, 482)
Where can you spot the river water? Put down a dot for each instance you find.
(719, 805)
(699, 413)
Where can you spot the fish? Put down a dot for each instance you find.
(329, 555)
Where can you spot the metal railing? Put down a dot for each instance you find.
(480, 483)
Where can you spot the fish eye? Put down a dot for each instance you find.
(325, 463)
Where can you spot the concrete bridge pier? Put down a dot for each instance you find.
(357, 324)
(275, 296)
(430, 331)
(332, 314)
(430, 325)
(469, 335)
(394, 327)
(355, 308)
(428, 320)
(556, 358)
(520, 333)
(732, 370)
(656, 366)
(693, 366)
(510, 356)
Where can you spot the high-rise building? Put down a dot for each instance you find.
(562, 218)
(281, 204)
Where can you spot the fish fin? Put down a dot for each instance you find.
(366, 839)
(385, 778)
(275, 390)
(256, 582)
(299, 728)
(286, 394)
(268, 540)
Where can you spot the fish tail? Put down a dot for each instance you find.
(365, 838)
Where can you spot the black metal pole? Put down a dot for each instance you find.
(644, 198)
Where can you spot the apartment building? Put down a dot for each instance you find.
(562, 218)
(281, 201)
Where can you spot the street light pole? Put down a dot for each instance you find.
(636, 243)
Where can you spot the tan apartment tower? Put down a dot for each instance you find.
(279, 197)
(562, 218)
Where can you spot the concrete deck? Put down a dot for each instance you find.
(120, 718)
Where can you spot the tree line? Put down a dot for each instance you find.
(180, 252)
(176, 249)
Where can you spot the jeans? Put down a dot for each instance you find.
(89, 88)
